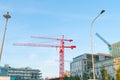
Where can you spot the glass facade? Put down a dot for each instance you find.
(83, 64)
(3, 71)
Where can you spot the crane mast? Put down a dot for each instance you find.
(61, 63)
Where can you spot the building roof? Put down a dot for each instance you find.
(104, 54)
(117, 43)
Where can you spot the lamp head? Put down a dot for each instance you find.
(102, 11)
(7, 15)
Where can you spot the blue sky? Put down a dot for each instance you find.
(53, 18)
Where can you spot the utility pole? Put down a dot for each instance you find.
(7, 16)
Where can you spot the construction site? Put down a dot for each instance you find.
(59, 40)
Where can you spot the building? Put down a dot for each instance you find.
(116, 49)
(21, 73)
(3, 71)
(107, 65)
(111, 65)
(82, 65)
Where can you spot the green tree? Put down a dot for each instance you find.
(85, 76)
(71, 78)
(118, 73)
(66, 77)
(77, 77)
(105, 75)
(91, 75)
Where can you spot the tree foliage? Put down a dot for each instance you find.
(71, 78)
(85, 76)
(118, 73)
(104, 74)
(91, 75)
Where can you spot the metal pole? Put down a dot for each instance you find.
(91, 42)
(7, 16)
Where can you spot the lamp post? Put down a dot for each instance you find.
(7, 16)
(91, 42)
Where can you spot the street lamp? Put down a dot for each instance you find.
(7, 16)
(91, 42)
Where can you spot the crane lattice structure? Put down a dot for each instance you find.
(108, 44)
(61, 47)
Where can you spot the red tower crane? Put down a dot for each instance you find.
(61, 52)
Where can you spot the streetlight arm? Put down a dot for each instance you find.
(97, 17)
